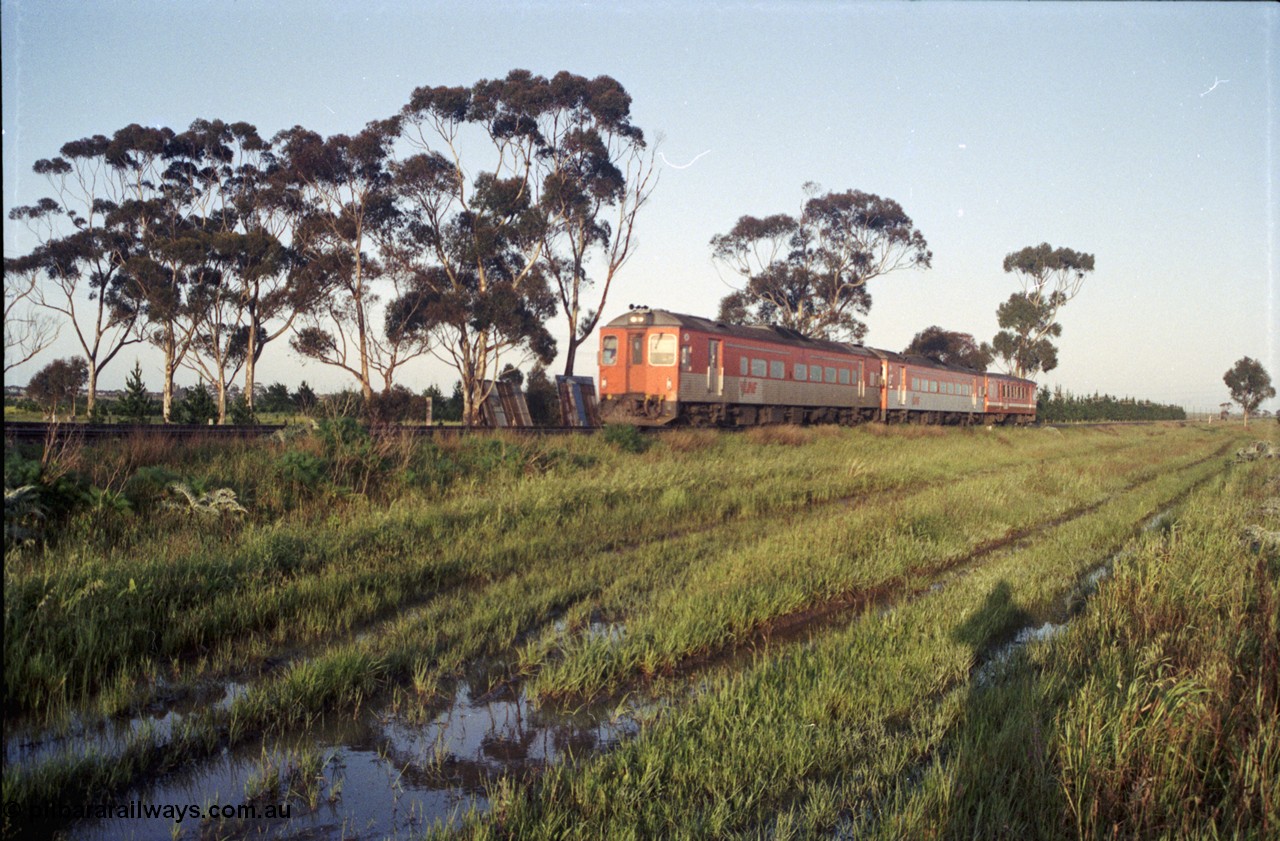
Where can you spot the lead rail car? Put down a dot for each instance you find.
(659, 368)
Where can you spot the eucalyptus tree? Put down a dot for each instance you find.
(77, 269)
(596, 173)
(1050, 277)
(810, 272)
(236, 266)
(205, 244)
(169, 194)
(272, 284)
(950, 348)
(345, 214)
(488, 191)
(1249, 384)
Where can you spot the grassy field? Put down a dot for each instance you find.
(807, 607)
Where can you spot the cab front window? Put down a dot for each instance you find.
(609, 351)
(662, 349)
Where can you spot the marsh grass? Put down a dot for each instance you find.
(747, 531)
(1155, 715)
(74, 619)
(813, 738)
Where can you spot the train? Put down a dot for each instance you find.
(660, 368)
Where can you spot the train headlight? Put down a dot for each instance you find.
(604, 383)
(668, 383)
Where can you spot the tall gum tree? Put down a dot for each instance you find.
(207, 247)
(347, 216)
(169, 195)
(595, 174)
(810, 272)
(77, 269)
(475, 233)
(265, 204)
(1050, 277)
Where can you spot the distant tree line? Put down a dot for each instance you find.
(457, 226)
(1061, 406)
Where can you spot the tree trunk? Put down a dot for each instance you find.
(366, 388)
(92, 396)
(167, 392)
(249, 362)
(222, 401)
(570, 355)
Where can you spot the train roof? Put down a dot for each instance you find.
(643, 316)
(646, 317)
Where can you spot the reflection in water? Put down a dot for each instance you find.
(380, 776)
(77, 737)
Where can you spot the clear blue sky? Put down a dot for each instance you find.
(1143, 133)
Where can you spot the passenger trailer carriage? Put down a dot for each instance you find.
(659, 368)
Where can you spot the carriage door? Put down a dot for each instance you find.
(635, 363)
(715, 371)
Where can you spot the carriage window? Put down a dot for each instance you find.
(831, 375)
(743, 363)
(686, 358)
(609, 351)
(844, 376)
(662, 349)
(778, 370)
(802, 372)
(915, 383)
(933, 386)
(815, 373)
(759, 368)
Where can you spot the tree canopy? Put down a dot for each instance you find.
(810, 272)
(57, 384)
(1249, 384)
(950, 348)
(1050, 277)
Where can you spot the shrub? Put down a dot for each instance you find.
(625, 437)
(301, 470)
(241, 412)
(148, 485)
(351, 452)
(196, 406)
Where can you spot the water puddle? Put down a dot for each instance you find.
(79, 735)
(987, 670)
(381, 775)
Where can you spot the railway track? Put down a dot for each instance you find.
(28, 432)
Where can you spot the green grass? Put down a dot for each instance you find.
(1156, 715)
(87, 613)
(694, 546)
(813, 736)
